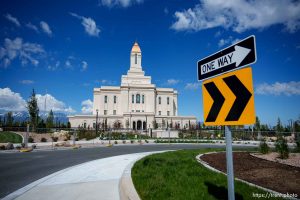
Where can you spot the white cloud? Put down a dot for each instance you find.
(46, 28)
(228, 40)
(25, 51)
(12, 19)
(239, 15)
(11, 101)
(285, 88)
(27, 82)
(84, 65)
(192, 86)
(89, 25)
(172, 81)
(68, 64)
(52, 103)
(122, 3)
(32, 27)
(87, 106)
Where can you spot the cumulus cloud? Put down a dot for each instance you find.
(104, 81)
(11, 101)
(89, 25)
(239, 15)
(172, 81)
(117, 3)
(192, 86)
(84, 65)
(25, 51)
(68, 64)
(27, 82)
(46, 28)
(12, 19)
(285, 88)
(87, 106)
(32, 27)
(52, 103)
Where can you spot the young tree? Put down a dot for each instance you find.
(33, 109)
(10, 119)
(257, 125)
(279, 126)
(50, 120)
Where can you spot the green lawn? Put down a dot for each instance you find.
(177, 175)
(10, 137)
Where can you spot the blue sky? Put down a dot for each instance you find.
(66, 48)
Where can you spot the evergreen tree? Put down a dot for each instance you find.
(279, 126)
(257, 125)
(50, 120)
(69, 125)
(33, 110)
(10, 119)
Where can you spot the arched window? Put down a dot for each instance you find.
(143, 98)
(168, 100)
(159, 100)
(115, 99)
(132, 98)
(138, 96)
(135, 57)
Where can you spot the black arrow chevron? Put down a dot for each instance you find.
(242, 97)
(218, 98)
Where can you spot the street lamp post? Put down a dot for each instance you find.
(96, 122)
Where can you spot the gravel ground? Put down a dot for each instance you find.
(293, 160)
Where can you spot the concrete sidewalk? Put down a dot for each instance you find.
(98, 179)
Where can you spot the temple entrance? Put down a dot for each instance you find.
(139, 125)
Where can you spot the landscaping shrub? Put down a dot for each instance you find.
(146, 141)
(297, 149)
(33, 146)
(263, 147)
(282, 147)
(18, 147)
(124, 141)
(116, 142)
(43, 139)
(54, 139)
(30, 140)
(2, 147)
(131, 141)
(9, 146)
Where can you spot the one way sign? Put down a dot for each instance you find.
(228, 99)
(238, 55)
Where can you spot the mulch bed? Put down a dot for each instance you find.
(275, 176)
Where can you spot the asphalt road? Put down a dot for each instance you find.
(19, 169)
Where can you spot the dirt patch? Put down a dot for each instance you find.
(293, 160)
(275, 176)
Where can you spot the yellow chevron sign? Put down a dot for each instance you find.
(229, 99)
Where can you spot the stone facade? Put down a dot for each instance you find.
(136, 104)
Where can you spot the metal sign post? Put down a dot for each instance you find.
(229, 162)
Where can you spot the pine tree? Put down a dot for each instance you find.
(257, 124)
(10, 119)
(50, 120)
(33, 110)
(279, 127)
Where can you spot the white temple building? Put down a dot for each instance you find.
(136, 104)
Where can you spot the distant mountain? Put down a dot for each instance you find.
(21, 116)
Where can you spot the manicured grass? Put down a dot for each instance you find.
(177, 175)
(10, 137)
